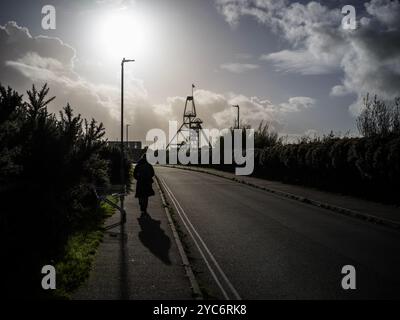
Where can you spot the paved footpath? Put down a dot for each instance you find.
(139, 260)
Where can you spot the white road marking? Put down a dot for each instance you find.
(189, 226)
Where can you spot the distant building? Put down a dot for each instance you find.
(127, 144)
(134, 145)
(132, 148)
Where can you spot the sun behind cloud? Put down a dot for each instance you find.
(123, 32)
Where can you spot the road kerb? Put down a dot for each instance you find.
(185, 260)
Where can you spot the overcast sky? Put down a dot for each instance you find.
(287, 62)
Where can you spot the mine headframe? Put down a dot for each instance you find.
(191, 127)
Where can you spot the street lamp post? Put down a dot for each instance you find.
(127, 135)
(127, 150)
(238, 120)
(122, 130)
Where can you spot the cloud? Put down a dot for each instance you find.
(38, 68)
(302, 61)
(239, 67)
(339, 91)
(116, 3)
(216, 110)
(263, 10)
(18, 41)
(386, 12)
(297, 104)
(25, 60)
(368, 58)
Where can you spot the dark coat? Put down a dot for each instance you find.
(144, 174)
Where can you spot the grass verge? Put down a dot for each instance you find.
(73, 268)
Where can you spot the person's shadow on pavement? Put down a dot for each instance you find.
(154, 238)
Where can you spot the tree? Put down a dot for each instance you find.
(264, 137)
(379, 118)
(48, 166)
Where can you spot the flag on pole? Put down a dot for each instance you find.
(193, 86)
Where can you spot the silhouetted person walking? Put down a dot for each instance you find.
(144, 174)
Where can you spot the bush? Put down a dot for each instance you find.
(369, 167)
(48, 166)
(379, 118)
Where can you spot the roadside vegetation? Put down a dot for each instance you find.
(367, 166)
(49, 165)
(74, 265)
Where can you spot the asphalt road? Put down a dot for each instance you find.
(246, 243)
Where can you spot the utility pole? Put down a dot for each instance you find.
(127, 150)
(122, 132)
(127, 135)
(238, 112)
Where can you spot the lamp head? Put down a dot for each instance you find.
(127, 60)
